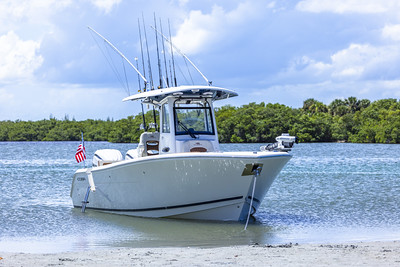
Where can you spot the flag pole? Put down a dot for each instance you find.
(84, 151)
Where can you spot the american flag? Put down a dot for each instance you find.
(80, 153)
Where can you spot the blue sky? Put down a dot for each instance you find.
(271, 51)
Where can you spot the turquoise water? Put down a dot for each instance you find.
(328, 192)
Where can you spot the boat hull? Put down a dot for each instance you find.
(201, 186)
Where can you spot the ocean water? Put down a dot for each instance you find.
(328, 192)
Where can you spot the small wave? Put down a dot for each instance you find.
(348, 160)
(37, 162)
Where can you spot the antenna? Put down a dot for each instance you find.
(122, 55)
(172, 53)
(182, 54)
(148, 55)
(158, 54)
(165, 60)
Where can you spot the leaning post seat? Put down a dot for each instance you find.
(149, 144)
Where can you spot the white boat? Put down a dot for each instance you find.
(180, 171)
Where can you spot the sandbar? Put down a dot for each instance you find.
(377, 253)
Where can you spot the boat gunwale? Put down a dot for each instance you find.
(192, 155)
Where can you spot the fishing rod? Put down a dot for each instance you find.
(140, 89)
(170, 71)
(172, 54)
(165, 60)
(148, 55)
(158, 55)
(144, 73)
(122, 55)
(182, 54)
(141, 51)
(150, 73)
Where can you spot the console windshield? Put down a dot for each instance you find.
(193, 119)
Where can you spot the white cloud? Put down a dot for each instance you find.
(364, 60)
(352, 61)
(105, 5)
(356, 62)
(271, 5)
(348, 6)
(391, 32)
(308, 64)
(19, 59)
(200, 31)
(183, 2)
(16, 13)
(194, 32)
(23, 26)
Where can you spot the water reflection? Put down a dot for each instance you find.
(148, 232)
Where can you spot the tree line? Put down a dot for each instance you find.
(348, 120)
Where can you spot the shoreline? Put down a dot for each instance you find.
(375, 253)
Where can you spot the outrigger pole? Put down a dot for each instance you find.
(122, 55)
(182, 54)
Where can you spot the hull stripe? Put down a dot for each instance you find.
(167, 207)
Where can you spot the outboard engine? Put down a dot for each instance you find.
(106, 156)
(284, 143)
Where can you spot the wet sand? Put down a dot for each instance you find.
(350, 254)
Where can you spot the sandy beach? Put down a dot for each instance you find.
(352, 254)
